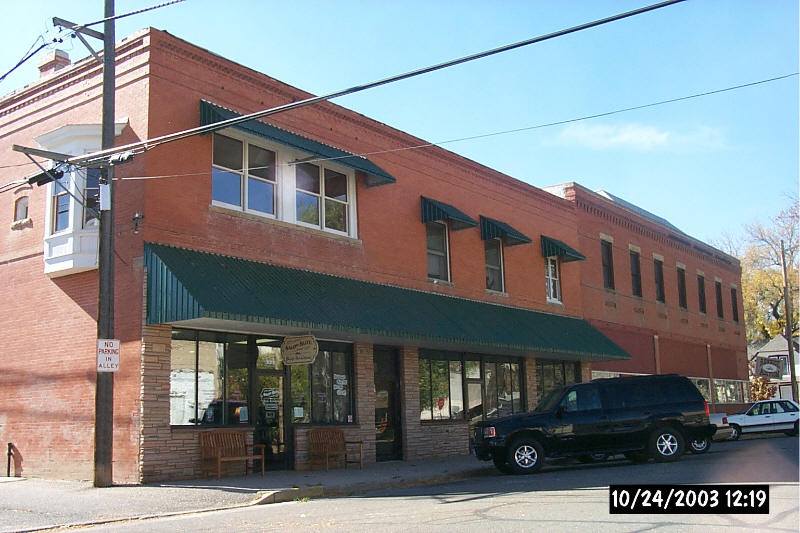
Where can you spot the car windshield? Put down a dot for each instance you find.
(549, 402)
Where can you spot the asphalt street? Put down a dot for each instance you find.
(559, 498)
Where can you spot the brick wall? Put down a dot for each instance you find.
(531, 389)
(429, 439)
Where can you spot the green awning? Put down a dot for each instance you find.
(212, 113)
(491, 229)
(203, 290)
(433, 211)
(555, 248)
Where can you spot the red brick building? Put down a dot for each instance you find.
(439, 291)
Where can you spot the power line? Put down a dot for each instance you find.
(30, 54)
(492, 134)
(55, 40)
(142, 146)
(137, 12)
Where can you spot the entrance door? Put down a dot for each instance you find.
(270, 422)
(388, 437)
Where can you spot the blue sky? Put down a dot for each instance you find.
(708, 165)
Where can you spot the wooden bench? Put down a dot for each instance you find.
(329, 443)
(219, 446)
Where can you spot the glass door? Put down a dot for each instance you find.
(270, 423)
(388, 441)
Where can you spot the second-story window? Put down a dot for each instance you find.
(701, 293)
(553, 283)
(227, 171)
(21, 209)
(493, 251)
(608, 264)
(91, 198)
(246, 177)
(735, 304)
(438, 264)
(636, 274)
(61, 201)
(658, 271)
(682, 288)
(718, 293)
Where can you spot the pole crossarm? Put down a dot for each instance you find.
(77, 28)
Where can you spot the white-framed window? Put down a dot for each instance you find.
(321, 197)
(493, 252)
(704, 386)
(730, 390)
(61, 203)
(91, 198)
(267, 179)
(243, 176)
(552, 279)
(21, 209)
(438, 251)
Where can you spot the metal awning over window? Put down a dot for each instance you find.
(491, 229)
(207, 291)
(555, 248)
(433, 211)
(212, 113)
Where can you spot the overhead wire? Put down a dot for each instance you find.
(29, 54)
(491, 134)
(142, 146)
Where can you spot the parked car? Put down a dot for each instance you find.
(723, 432)
(766, 416)
(642, 417)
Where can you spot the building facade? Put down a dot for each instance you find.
(438, 291)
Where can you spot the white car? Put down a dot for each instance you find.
(766, 416)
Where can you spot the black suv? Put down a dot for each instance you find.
(641, 416)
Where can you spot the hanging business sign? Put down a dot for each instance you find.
(769, 367)
(107, 355)
(299, 350)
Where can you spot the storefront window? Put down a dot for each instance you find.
(492, 388)
(704, 386)
(729, 391)
(218, 379)
(551, 375)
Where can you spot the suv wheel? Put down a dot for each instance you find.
(525, 456)
(698, 446)
(792, 432)
(666, 444)
(736, 432)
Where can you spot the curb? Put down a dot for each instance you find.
(320, 491)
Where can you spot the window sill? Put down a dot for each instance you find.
(443, 282)
(448, 422)
(497, 293)
(283, 224)
(555, 302)
(21, 224)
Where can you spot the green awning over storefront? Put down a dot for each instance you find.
(198, 289)
(491, 229)
(555, 248)
(212, 113)
(433, 211)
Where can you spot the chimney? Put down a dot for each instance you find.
(52, 61)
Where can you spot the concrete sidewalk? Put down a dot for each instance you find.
(37, 504)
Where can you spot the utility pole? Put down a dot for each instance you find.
(104, 394)
(787, 308)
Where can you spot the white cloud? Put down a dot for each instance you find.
(638, 137)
